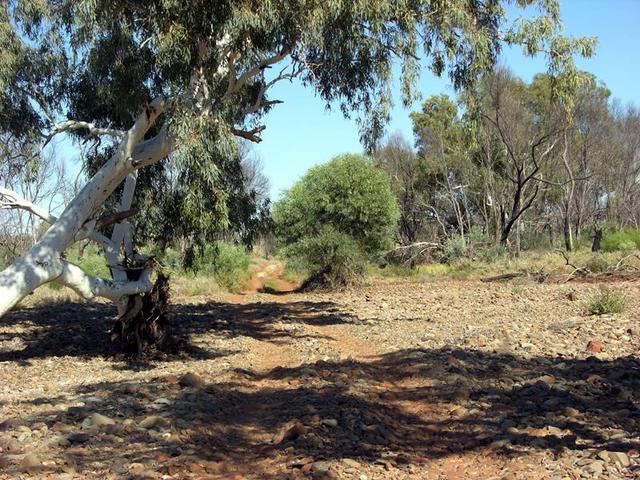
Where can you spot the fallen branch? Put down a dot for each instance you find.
(503, 277)
(539, 276)
(410, 254)
(577, 271)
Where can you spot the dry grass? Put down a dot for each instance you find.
(551, 262)
(194, 286)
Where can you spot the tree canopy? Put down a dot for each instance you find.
(147, 81)
(338, 215)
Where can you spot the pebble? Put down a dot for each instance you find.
(192, 380)
(78, 437)
(570, 412)
(97, 420)
(595, 346)
(30, 462)
(619, 458)
(329, 422)
(153, 421)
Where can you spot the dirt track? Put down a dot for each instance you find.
(444, 380)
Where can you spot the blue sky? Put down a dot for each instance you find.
(301, 133)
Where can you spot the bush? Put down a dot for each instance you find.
(627, 239)
(335, 218)
(492, 253)
(598, 263)
(227, 263)
(332, 259)
(607, 301)
(454, 249)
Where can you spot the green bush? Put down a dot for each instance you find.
(454, 249)
(169, 258)
(335, 218)
(607, 301)
(625, 240)
(491, 253)
(227, 263)
(332, 259)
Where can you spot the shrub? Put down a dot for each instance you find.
(627, 239)
(454, 249)
(332, 259)
(607, 301)
(335, 218)
(492, 253)
(598, 263)
(227, 263)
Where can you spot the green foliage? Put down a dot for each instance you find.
(597, 263)
(227, 263)
(55, 286)
(607, 301)
(126, 52)
(491, 253)
(454, 249)
(333, 259)
(336, 216)
(625, 240)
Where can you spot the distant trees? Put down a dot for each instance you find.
(335, 218)
(409, 184)
(519, 165)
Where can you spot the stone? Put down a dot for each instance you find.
(98, 420)
(321, 466)
(136, 469)
(548, 379)
(153, 421)
(30, 463)
(329, 422)
(78, 437)
(191, 380)
(595, 346)
(570, 412)
(596, 467)
(131, 388)
(290, 431)
(620, 458)
(349, 462)
(461, 393)
(11, 424)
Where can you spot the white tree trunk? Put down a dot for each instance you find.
(44, 263)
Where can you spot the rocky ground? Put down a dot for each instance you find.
(394, 380)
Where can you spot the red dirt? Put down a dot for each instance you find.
(395, 380)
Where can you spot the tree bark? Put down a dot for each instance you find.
(43, 262)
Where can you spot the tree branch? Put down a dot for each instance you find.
(71, 125)
(16, 201)
(88, 286)
(250, 135)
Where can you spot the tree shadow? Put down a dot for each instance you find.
(408, 407)
(82, 329)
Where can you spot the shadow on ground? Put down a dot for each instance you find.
(404, 409)
(82, 329)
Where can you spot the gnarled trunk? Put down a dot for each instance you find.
(45, 262)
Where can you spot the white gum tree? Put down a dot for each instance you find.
(163, 79)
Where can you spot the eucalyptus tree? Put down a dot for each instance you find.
(408, 183)
(178, 80)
